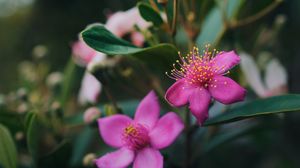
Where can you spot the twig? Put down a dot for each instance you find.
(255, 17)
(188, 139)
(174, 21)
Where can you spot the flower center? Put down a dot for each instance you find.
(196, 69)
(136, 136)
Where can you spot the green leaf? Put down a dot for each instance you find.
(81, 144)
(273, 105)
(71, 73)
(149, 14)
(32, 126)
(213, 27)
(99, 38)
(8, 151)
(11, 120)
(158, 57)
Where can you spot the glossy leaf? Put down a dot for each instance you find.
(149, 14)
(159, 57)
(101, 39)
(8, 151)
(213, 27)
(273, 105)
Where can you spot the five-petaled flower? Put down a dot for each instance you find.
(140, 139)
(201, 77)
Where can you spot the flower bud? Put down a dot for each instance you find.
(88, 159)
(54, 79)
(39, 51)
(91, 114)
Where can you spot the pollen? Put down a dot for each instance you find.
(135, 136)
(195, 68)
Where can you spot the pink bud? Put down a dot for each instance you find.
(91, 114)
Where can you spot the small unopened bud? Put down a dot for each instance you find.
(91, 114)
(54, 79)
(39, 51)
(22, 94)
(22, 108)
(19, 135)
(88, 159)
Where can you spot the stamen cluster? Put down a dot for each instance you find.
(197, 69)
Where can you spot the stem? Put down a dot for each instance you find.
(174, 21)
(257, 16)
(153, 4)
(188, 139)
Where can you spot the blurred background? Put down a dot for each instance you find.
(55, 24)
(30, 29)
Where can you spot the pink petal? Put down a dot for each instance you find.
(147, 112)
(166, 130)
(226, 91)
(276, 75)
(112, 127)
(199, 103)
(148, 157)
(82, 53)
(89, 90)
(137, 39)
(252, 74)
(225, 61)
(118, 159)
(178, 94)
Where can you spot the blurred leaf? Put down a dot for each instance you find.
(213, 27)
(71, 73)
(8, 151)
(10, 120)
(81, 144)
(74, 120)
(273, 105)
(149, 14)
(224, 137)
(58, 157)
(32, 135)
(129, 106)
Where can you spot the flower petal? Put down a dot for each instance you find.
(147, 112)
(276, 75)
(252, 74)
(89, 90)
(112, 127)
(117, 159)
(148, 157)
(225, 61)
(178, 94)
(166, 130)
(199, 103)
(226, 91)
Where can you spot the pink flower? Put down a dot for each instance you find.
(91, 114)
(139, 140)
(200, 77)
(275, 78)
(122, 23)
(83, 54)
